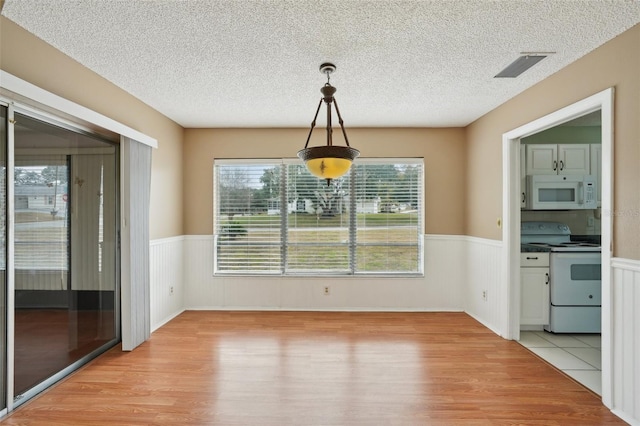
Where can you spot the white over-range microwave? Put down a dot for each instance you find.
(558, 192)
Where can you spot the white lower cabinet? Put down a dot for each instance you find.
(534, 288)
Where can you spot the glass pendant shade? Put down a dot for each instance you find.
(328, 161)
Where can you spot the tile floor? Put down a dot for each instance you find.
(577, 355)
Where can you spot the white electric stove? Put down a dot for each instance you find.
(574, 276)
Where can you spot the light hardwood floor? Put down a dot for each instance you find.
(313, 368)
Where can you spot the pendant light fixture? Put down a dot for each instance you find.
(328, 161)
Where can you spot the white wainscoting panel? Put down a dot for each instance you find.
(626, 339)
(486, 294)
(202, 290)
(167, 283)
(458, 269)
(441, 289)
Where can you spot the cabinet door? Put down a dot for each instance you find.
(542, 159)
(596, 168)
(573, 159)
(534, 296)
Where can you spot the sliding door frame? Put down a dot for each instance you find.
(33, 100)
(10, 287)
(13, 400)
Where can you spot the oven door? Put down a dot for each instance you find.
(575, 279)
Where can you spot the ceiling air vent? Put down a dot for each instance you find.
(521, 64)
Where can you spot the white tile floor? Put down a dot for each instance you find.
(577, 355)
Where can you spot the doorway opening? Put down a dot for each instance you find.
(512, 194)
(560, 309)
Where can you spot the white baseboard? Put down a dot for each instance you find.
(166, 320)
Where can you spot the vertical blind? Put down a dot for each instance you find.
(276, 218)
(135, 273)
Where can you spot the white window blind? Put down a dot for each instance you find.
(248, 219)
(318, 238)
(389, 204)
(276, 218)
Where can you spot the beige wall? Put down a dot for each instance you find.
(615, 64)
(30, 59)
(443, 151)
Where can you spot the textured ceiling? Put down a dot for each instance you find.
(250, 63)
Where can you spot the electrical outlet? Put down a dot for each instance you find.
(484, 295)
(171, 290)
(327, 290)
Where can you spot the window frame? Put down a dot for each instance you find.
(353, 245)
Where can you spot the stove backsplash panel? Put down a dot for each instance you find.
(581, 222)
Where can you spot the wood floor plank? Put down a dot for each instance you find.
(318, 368)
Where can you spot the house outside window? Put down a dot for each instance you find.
(275, 218)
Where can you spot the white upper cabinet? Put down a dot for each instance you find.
(542, 159)
(573, 159)
(558, 159)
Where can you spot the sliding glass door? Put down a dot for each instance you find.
(65, 251)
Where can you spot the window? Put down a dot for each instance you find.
(274, 217)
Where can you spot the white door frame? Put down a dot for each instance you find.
(511, 191)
